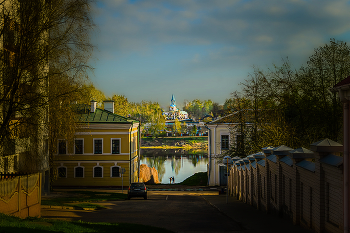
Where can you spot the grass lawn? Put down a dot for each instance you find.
(199, 178)
(38, 225)
(81, 199)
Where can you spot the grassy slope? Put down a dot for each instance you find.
(198, 179)
(83, 196)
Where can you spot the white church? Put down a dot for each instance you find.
(174, 112)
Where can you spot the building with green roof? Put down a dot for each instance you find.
(105, 146)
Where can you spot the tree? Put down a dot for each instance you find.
(217, 110)
(91, 93)
(197, 108)
(121, 105)
(194, 130)
(177, 127)
(300, 107)
(41, 39)
(184, 129)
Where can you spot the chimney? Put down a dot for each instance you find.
(93, 106)
(109, 105)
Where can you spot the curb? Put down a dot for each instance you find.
(66, 207)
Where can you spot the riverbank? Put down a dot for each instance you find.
(187, 143)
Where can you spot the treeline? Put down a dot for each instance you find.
(294, 107)
(198, 109)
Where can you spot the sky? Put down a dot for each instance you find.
(204, 49)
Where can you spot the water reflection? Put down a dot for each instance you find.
(177, 163)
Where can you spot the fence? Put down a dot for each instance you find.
(303, 185)
(20, 195)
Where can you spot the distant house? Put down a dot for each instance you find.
(105, 144)
(224, 134)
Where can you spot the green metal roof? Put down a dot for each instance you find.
(100, 116)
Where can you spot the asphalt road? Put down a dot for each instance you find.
(179, 213)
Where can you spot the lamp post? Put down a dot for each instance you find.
(228, 161)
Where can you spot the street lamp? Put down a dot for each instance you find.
(228, 161)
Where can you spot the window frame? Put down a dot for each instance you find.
(76, 172)
(93, 171)
(98, 139)
(112, 139)
(222, 142)
(82, 149)
(58, 147)
(111, 172)
(58, 172)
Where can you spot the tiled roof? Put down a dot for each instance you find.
(268, 149)
(326, 142)
(281, 150)
(301, 153)
(332, 160)
(326, 145)
(253, 164)
(262, 162)
(287, 160)
(100, 116)
(307, 165)
(259, 155)
(272, 158)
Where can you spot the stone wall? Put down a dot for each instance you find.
(303, 185)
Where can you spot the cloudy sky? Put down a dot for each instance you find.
(151, 49)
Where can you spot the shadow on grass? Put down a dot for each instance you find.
(83, 196)
(14, 224)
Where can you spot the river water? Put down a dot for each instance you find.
(177, 163)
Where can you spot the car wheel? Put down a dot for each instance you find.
(145, 197)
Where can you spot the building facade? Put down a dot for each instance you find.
(105, 146)
(223, 135)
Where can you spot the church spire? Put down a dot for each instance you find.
(172, 103)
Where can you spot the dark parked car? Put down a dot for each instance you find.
(137, 190)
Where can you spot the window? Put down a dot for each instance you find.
(224, 142)
(97, 146)
(62, 147)
(115, 172)
(115, 146)
(79, 172)
(62, 172)
(98, 172)
(79, 145)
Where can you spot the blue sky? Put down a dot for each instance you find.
(203, 49)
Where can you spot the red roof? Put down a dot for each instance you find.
(345, 82)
